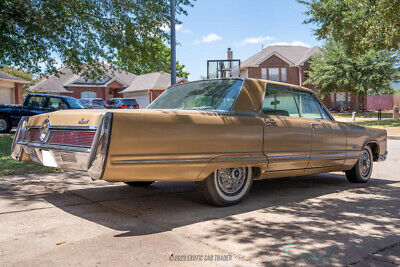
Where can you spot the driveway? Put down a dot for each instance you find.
(66, 219)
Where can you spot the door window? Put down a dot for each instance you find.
(279, 101)
(308, 107)
(324, 114)
(36, 102)
(56, 103)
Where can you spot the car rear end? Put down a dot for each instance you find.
(73, 141)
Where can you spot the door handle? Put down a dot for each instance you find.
(270, 122)
(314, 125)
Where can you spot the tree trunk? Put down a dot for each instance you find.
(357, 107)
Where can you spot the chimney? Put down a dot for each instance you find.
(229, 54)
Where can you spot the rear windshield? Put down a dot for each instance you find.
(99, 102)
(129, 101)
(201, 95)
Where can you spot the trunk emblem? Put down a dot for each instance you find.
(45, 131)
(82, 121)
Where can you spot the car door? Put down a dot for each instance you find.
(287, 136)
(328, 139)
(36, 105)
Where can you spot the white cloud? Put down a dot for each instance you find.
(211, 37)
(295, 43)
(256, 40)
(178, 27)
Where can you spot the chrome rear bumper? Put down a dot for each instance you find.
(91, 159)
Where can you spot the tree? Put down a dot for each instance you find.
(156, 58)
(35, 34)
(334, 71)
(360, 25)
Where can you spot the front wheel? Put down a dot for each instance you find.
(361, 172)
(226, 187)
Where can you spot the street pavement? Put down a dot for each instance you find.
(67, 219)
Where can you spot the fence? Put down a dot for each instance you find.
(384, 102)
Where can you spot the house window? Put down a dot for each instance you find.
(264, 73)
(283, 75)
(274, 74)
(88, 94)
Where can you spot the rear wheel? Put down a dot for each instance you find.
(226, 187)
(140, 184)
(361, 172)
(5, 125)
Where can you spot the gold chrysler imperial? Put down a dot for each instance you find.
(221, 133)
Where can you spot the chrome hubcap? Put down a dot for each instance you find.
(365, 163)
(3, 124)
(231, 180)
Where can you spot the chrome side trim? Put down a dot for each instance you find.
(288, 158)
(329, 156)
(190, 160)
(56, 147)
(99, 150)
(162, 161)
(16, 148)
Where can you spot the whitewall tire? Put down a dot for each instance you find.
(226, 187)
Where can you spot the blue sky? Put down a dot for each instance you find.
(244, 25)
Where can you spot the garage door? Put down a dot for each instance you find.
(6, 95)
(142, 100)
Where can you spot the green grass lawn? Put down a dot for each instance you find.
(369, 114)
(9, 166)
(380, 124)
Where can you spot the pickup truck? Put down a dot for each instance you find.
(34, 104)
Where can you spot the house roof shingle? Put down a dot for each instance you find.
(294, 55)
(6, 76)
(154, 80)
(67, 78)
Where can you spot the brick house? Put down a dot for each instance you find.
(11, 89)
(289, 64)
(144, 88)
(70, 84)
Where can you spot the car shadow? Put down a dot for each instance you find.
(168, 205)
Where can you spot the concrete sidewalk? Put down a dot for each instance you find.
(66, 219)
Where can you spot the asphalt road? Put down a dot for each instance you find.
(66, 219)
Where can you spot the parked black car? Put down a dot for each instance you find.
(122, 103)
(34, 104)
(95, 103)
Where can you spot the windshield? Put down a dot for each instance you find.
(201, 95)
(74, 103)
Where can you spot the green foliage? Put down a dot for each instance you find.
(80, 33)
(360, 25)
(369, 73)
(153, 55)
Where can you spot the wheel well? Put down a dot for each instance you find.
(375, 150)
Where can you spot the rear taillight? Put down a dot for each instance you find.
(136, 106)
(107, 105)
(122, 106)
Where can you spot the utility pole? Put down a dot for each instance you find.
(173, 44)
